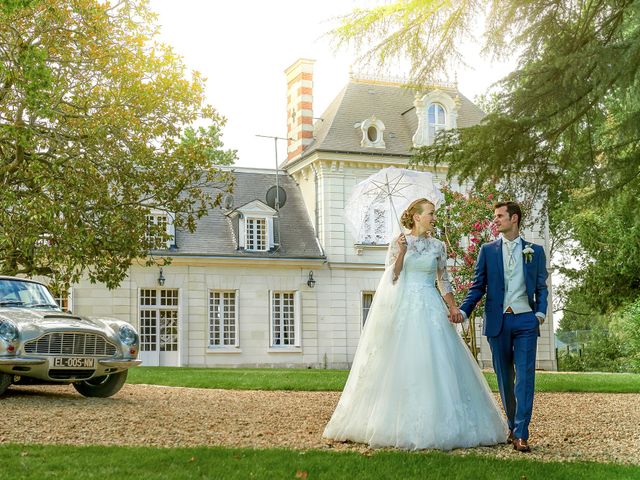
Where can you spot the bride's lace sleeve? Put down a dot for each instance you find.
(444, 281)
(392, 252)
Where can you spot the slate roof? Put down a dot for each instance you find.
(391, 103)
(216, 233)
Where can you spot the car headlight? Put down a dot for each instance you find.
(8, 331)
(127, 335)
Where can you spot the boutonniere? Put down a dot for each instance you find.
(527, 251)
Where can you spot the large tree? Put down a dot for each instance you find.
(96, 130)
(562, 129)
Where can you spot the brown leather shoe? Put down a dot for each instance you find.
(510, 437)
(521, 445)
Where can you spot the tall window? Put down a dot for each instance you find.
(159, 320)
(436, 119)
(156, 223)
(374, 226)
(223, 319)
(285, 318)
(256, 234)
(367, 300)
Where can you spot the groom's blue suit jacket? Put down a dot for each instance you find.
(489, 279)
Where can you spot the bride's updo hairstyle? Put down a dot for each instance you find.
(417, 206)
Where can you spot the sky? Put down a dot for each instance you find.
(243, 47)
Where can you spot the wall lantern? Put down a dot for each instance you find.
(310, 281)
(161, 278)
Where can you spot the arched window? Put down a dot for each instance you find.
(436, 111)
(436, 120)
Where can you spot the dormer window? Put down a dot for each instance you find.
(372, 132)
(436, 119)
(436, 111)
(256, 232)
(160, 223)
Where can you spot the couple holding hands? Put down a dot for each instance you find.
(413, 383)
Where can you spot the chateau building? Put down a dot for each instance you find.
(273, 278)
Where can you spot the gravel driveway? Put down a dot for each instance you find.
(565, 426)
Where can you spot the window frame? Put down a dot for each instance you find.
(256, 210)
(265, 234)
(169, 227)
(363, 316)
(171, 305)
(437, 127)
(236, 317)
(296, 345)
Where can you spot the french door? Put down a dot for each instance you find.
(159, 327)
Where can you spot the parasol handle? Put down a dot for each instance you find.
(393, 208)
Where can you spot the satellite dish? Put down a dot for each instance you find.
(227, 201)
(271, 196)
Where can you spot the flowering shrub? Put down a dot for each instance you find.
(465, 222)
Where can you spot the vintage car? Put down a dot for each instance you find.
(41, 344)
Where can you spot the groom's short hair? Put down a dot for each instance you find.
(512, 207)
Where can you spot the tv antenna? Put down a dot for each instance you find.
(276, 205)
(275, 145)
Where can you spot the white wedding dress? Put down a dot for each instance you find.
(413, 383)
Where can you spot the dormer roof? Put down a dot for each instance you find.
(217, 233)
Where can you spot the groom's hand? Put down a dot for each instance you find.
(455, 315)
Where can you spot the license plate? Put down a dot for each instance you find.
(74, 362)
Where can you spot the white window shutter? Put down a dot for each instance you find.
(270, 318)
(270, 232)
(242, 232)
(171, 229)
(297, 312)
(237, 320)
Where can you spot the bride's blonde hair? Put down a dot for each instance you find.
(417, 206)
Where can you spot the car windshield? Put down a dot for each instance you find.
(16, 293)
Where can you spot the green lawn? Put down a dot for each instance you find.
(65, 462)
(333, 380)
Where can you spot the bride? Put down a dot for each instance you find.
(413, 383)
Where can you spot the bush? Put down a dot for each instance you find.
(626, 327)
(603, 353)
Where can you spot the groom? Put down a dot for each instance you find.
(513, 275)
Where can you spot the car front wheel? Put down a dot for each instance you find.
(102, 387)
(5, 382)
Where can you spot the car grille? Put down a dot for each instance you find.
(69, 343)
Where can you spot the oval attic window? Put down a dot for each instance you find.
(372, 134)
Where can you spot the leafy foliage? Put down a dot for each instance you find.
(96, 129)
(466, 223)
(562, 130)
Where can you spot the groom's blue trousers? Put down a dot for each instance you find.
(514, 361)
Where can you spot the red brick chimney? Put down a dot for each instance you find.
(299, 106)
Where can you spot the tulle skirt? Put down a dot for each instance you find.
(413, 383)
